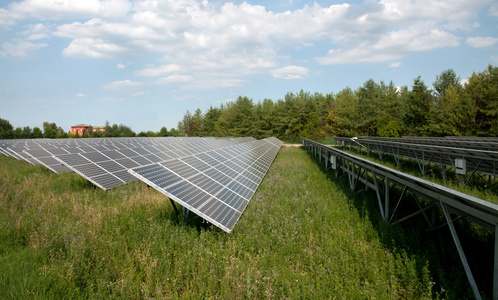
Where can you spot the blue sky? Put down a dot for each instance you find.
(144, 63)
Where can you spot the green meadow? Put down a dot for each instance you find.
(303, 235)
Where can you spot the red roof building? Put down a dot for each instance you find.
(80, 129)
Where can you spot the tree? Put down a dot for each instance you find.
(37, 133)
(369, 107)
(185, 124)
(196, 124)
(418, 104)
(209, 121)
(243, 118)
(49, 130)
(26, 132)
(125, 131)
(225, 120)
(389, 123)
(482, 89)
(17, 133)
(346, 113)
(6, 129)
(265, 119)
(163, 132)
(444, 81)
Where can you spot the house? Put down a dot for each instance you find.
(81, 129)
(98, 128)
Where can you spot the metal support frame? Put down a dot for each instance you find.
(476, 210)
(481, 161)
(463, 258)
(185, 211)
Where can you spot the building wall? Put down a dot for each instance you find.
(79, 130)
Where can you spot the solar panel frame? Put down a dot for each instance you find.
(225, 190)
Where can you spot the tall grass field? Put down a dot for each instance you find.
(302, 236)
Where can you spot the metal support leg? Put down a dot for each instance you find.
(174, 207)
(386, 204)
(185, 211)
(377, 191)
(463, 258)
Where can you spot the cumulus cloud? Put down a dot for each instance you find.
(394, 65)
(391, 46)
(91, 47)
(291, 72)
(159, 70)
(68, 9)
(117, 85)
(21, 48)
(204, 41)
(481, 42)
(143, 93)
(36, 32)
(175, 79)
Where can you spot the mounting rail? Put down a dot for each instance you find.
(382, 179)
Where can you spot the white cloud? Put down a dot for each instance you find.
(391, 46)
(493, 10)
(6, 18)
(90, 47)
(69, 9)
(160, 70)
(200, 42)
(21, 48)
(175, 79)
(291, 72)
(464, 81)
(120, 66)
(36, 32)
(394, 65)
(143, 93)
(117, 85)
(481, 42)
(80, 95)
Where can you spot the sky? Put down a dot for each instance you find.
(144, 63)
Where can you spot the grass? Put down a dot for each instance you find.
(303, 235)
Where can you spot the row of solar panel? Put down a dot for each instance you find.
(213, 177)
(217, 184)
(481, 161)
(105, 166)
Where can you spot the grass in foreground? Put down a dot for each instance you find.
(300, 237)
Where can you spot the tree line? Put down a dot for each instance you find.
(52, 131)
(374, 109)
(449, 108)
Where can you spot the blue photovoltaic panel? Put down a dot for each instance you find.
(107, 168)
(217, 185)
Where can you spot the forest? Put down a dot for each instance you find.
(374, 109)
(448, 108)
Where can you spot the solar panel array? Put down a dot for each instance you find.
(216, 185)
(108, 168)
(212, 177)
(430, 150)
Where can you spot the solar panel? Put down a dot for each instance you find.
(108, 168)
(45, 158)
(216, 185)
